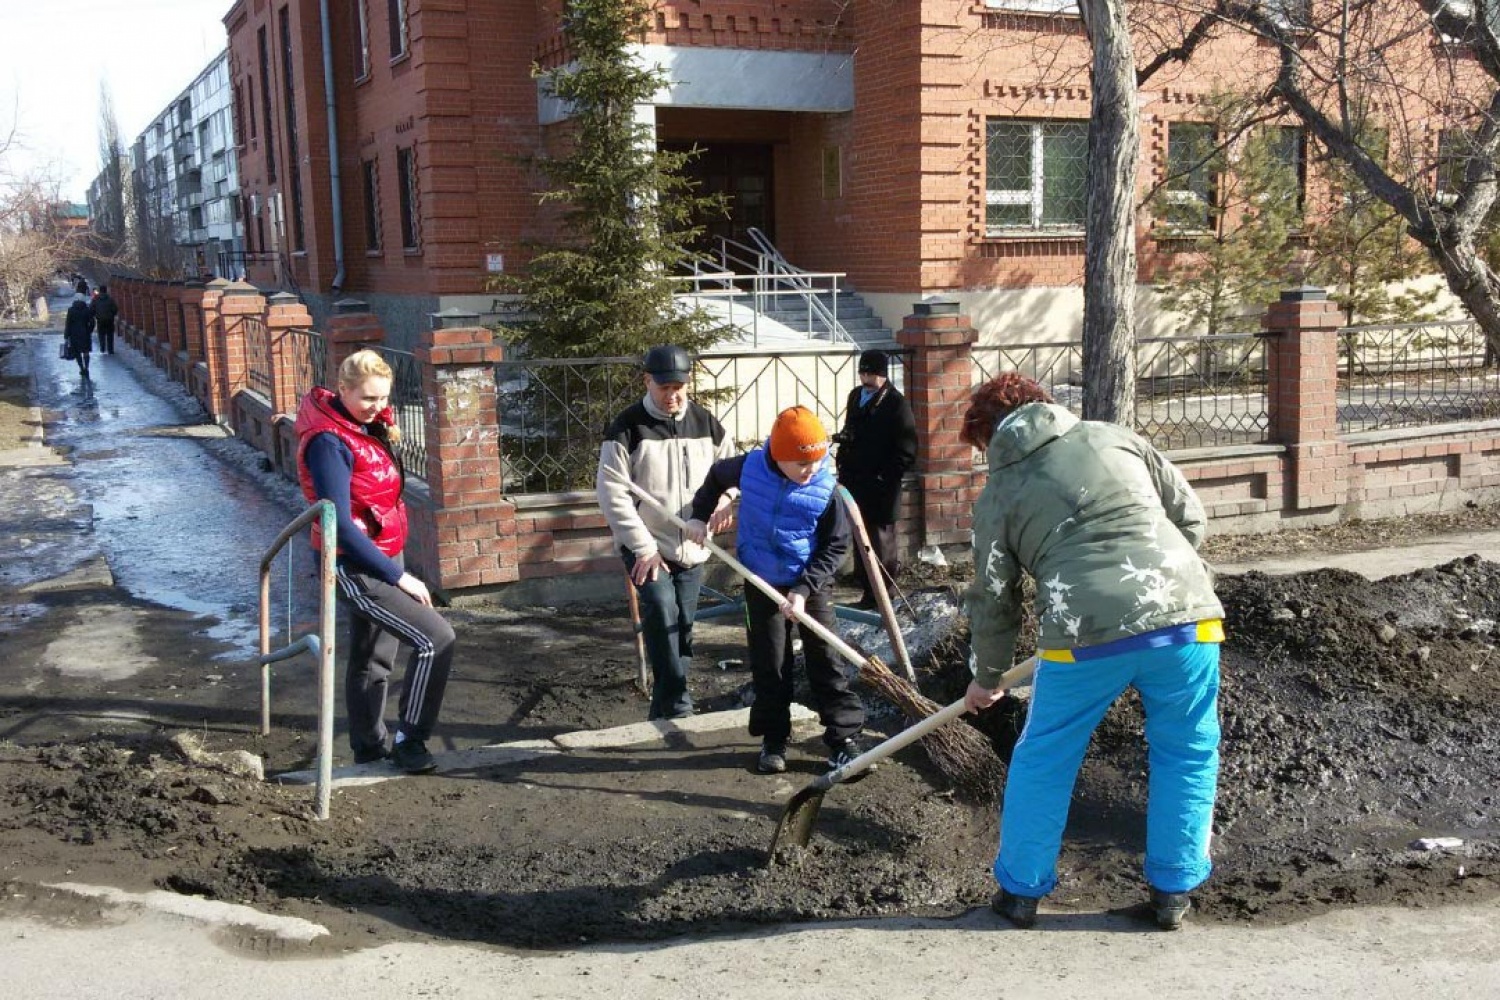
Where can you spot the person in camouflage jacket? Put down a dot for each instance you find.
(1109, 530)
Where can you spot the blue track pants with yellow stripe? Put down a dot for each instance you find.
(1179, 689)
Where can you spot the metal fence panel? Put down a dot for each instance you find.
(257, 355)
(309, 350)
(407, 401)
(1414, 374)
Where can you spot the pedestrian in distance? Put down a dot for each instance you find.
(78, 332)
(81, 286)
(664, 444)
(105, 311)
(793, 534)
(877, 446)
(346, 454)
(1109, 530)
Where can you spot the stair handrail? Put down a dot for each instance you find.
(772, 271)
(320, 645)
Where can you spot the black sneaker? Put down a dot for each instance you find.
(412, 757)
(772, 759)
(845, 752)
(1170, 908)
(372, 755)
(1019, 910)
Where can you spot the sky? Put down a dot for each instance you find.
(55, 53)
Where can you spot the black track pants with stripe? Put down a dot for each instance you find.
(382, 619)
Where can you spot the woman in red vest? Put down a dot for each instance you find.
(346, 454)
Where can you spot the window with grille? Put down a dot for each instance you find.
(406, 173)
(1034, 6)
(1034, 176)
(371, 177)
(1453, 154)
(1289, 147)
(396, 18)
(1191, 191)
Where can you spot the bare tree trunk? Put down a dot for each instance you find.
(1109, 276)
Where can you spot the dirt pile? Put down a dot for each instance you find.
(1357, 717)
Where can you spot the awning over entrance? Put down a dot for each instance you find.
(740, 79)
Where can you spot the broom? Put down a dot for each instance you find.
(962, 753)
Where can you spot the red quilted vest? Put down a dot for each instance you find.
(375, 487)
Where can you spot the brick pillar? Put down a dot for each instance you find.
(469, 538)
(1302, 396)
(192, 320)
(351, 327)
(939, 383)
(238, 302)
(209, 392)
(170, 334)
(286, 312)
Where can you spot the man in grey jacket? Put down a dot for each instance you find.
(665, 444)
(1109, 530)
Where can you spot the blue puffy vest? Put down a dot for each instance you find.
(779, 519)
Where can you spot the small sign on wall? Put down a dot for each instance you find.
(494, 263)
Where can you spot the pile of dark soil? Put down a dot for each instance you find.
(1357, 717)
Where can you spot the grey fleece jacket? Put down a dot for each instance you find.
(1107, 527)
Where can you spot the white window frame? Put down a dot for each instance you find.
(1035, 6)
(1033, 196)
(362, 40)
(398, 29)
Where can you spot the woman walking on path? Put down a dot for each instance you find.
(346, 455)
(78, 331)
(1109, 530)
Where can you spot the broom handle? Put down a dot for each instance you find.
(1012, 677)
(804, 619)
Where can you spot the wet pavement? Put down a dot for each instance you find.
(144, 475)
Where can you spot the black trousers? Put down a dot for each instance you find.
(106, 339)
(769, 636)
(383, 618)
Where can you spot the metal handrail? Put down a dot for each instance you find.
(320, 645)
(771, 276)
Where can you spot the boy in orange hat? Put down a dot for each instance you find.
(793, 534)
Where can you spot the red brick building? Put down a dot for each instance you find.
(918, 146)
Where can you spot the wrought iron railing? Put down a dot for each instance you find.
(309, 354)
(1191, 392)
(257, 355)
(553, 412)
(1413, 374)
(407, 400)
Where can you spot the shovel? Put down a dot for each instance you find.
(875, 574)
(801, 812)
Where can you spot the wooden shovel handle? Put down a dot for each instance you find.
(806, 621)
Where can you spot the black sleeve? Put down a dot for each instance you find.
(722, 475)
(830, 546)
(904, 446)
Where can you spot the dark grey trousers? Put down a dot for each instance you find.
(383, 618)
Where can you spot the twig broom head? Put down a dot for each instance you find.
(962, 753)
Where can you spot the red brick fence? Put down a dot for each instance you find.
(467, 534)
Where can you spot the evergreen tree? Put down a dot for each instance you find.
(1230, 207)
(626, 213)
(1360, 247)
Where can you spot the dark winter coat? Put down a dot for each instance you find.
(105, 311)
(79, 328)
(877, 447)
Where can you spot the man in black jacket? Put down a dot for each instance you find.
(105, 311)
(876, 448)
(78, 331)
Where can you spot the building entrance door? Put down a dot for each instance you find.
(741, 172)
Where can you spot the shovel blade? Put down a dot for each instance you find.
(795, 827)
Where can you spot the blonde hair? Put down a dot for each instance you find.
(361, 365)
(368, 364)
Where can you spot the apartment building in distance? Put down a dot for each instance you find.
(919, 147)
(184, 184)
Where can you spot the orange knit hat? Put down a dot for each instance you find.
(798, 436)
